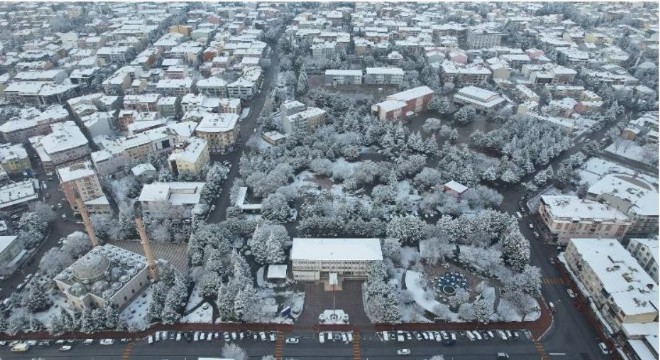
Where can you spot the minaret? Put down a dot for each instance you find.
(146, 246)
(82, 209)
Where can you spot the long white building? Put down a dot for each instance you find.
(315, 258)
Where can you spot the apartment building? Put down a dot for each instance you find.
(472, 74)
(566, 217)
(383, 76)
(65, 144)
(247, 85)
(343, 77)
(314, 259)
(112, 55)
(212, 86)
(174, 87)
(310, 118)
(142, 102)
(631, 195)
(139, 147)
(32, 122)
(189, 158)
(481, 99)
(80, 180)
(622, 292)
(14, 158)
(16, 196)
(646, 253)
(478, 38)
(219, 130)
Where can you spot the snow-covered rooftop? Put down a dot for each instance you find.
(340, 249)
(176, 193)
(575, 209)
(16, 193)
(619, 273)
(384, 71)
(411, 94)
(217, 122)
(641, 196)
(6, 241)
(340, 72)
(65, 136)
(76, 171)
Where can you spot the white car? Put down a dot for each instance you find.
(291, 340)
(403, 352)
(65, 348)
(106, 342)
(603, 348)
(571, 293)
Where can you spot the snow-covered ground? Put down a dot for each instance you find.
(409, 256)
(507, 312)
(630, 151)
(59, 302)
(135, 314)
(415, 284)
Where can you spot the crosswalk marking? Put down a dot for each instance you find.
(356, 346)
(541, 350)
(554, 281)
(125, 355)
(279, 345)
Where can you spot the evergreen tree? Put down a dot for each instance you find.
(302, 85)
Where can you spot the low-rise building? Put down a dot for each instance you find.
(472, 74)
(566, 217)
(219, 130)
(172, 198)
(481, 99)
(106, 275)
(190, 158)
(314, 259)
(65, 144)
(17, 195)
(10, 248)
(383, 76)
(646, 253)
(335, 77)
(212, 86)
(247, 85)
(310, 118)
(14, 158)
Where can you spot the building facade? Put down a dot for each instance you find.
(646, 253)
(191, 158)
(314, 259)
(219, 130)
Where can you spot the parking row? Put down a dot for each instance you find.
(449, 337)
(195, 336)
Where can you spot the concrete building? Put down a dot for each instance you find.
(247, 85)
(566, 217)
(646, 253)
(219, 130)
(401, 105)
(105, 275)
(17, 195)
(622, 292)
(191, 158)
(482, 99)
(314, 259)
(64, 145)
(478, 38)
(10, 248)
(85, 184)
(212, 86)
(631, 195)
(472, 74)
(173, 198)
(14, 158)
(310, 118)
(343, 77)
(383, 76)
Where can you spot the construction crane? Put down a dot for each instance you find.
(72, 192)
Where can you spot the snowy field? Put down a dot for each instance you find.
(630, 150)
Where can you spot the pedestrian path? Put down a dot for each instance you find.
(541, 350)
(554, 281)
(126, 354)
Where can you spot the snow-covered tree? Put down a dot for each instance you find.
(431, 125)
(515, 249)
(54, 261)
(391, 248)
(483, 310)
(465, 115)
(409, 229)
(459, 298)
(415, 143)
(233, 351)
(302, 86)
(268, 242)
(427, 178)
(209, 284)
(527, 281)
(275, 208)
(76, 244)
(35, 299)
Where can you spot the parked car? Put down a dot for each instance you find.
(571, 293)
(321, 338)
(106, 342)
(502, 356)
(603, 348)
(64, 348)
(291, 340)
(403, 352)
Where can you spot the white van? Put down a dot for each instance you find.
(502, 335)
(321, 338)
(386, 336)
(470, 335)
(518, 215)
(150, 339)
(477, 335)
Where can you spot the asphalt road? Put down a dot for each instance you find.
(571, 332)
(247, 128)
